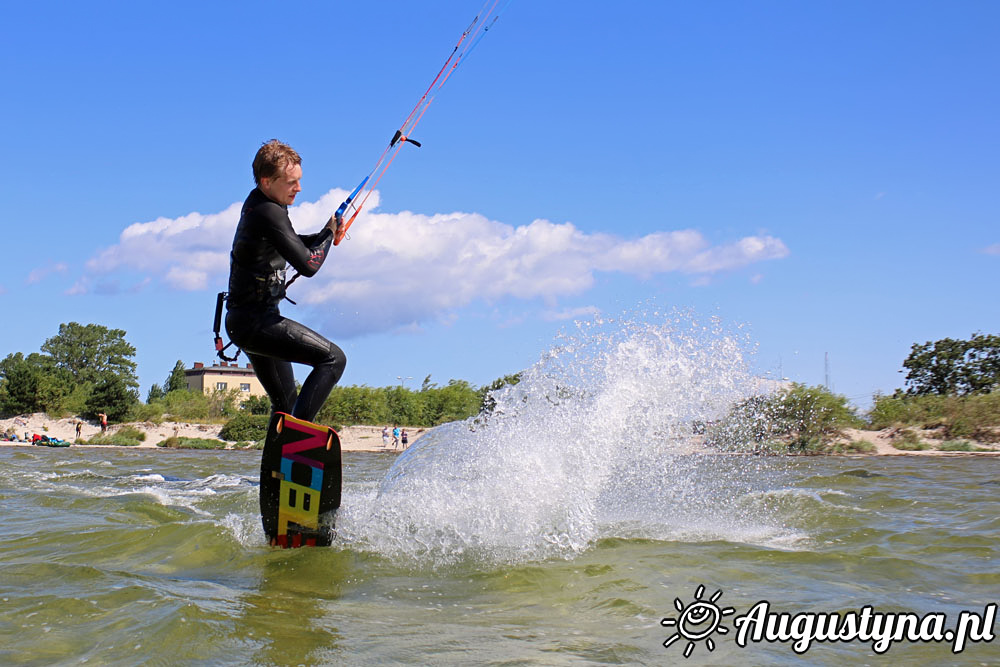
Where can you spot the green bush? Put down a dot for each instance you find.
(180, 405)
(961, 446)
(803, 417)
(903, 410)
(245, 427)
(973, 416)
(192, 443)
(147, 412)
(243, 444)
(911, 446)
(805, 444)
(131, 433)
(854, 447)
(117, 439)
(908, 441)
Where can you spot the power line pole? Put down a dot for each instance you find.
(826, 370)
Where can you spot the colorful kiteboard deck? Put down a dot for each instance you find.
(300, 478)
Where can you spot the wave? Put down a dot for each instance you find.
(595, 441)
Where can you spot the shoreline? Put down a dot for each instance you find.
(352, 438)
(364, 438)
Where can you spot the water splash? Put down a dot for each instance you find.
(597, 440)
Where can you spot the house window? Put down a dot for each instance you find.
(221, 386)
(245, 386)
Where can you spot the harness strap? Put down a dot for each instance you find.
(220, 349)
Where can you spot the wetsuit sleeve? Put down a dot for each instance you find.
(310, 239)
(306, 258)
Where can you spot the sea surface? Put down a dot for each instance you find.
(573, 525)
(125, 557)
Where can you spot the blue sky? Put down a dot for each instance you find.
(823, 173)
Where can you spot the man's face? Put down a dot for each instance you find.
(283, 187)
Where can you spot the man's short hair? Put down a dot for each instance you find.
(272, 159)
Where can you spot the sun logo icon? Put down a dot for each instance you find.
(697, 621)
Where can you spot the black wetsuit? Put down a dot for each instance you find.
(264, 243)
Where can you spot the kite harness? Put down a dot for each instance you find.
(220, 349)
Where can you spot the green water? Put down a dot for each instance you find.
(126, 557)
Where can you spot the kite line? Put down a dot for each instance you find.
(474, 34)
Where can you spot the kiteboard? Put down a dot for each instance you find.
(300, 479)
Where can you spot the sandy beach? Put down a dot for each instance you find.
(369, 438)
(352, 438)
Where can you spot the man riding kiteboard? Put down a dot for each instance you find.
(300, 480)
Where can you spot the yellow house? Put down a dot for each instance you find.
(224, 377)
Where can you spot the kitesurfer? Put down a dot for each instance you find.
(264, 244)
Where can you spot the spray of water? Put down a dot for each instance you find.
(596, 440)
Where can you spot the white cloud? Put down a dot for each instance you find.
(585, 312)
(993, 249)
(42, 272)
(403, 268)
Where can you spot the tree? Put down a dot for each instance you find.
(92, 352)
(155, 393)
(112, 397)
(19, 386)
(354, 405)
(487, 403)
(405, 406)
(954, 367)
(177, 380)
(257, 405)
(33, 384)
(456, 401)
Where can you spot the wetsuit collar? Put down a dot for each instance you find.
(260, 194)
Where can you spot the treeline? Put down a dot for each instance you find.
(346, 405)
(88, 369)
(813, 419)
(951, 386)
(430, 406)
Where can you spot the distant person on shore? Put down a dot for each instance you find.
(404, 438)
(79, 428)
(104, 421)
(385, 437)
(395, 437)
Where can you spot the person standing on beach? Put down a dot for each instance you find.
(79, 428)
(104, 421)
(264, 245)
(395, 437)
